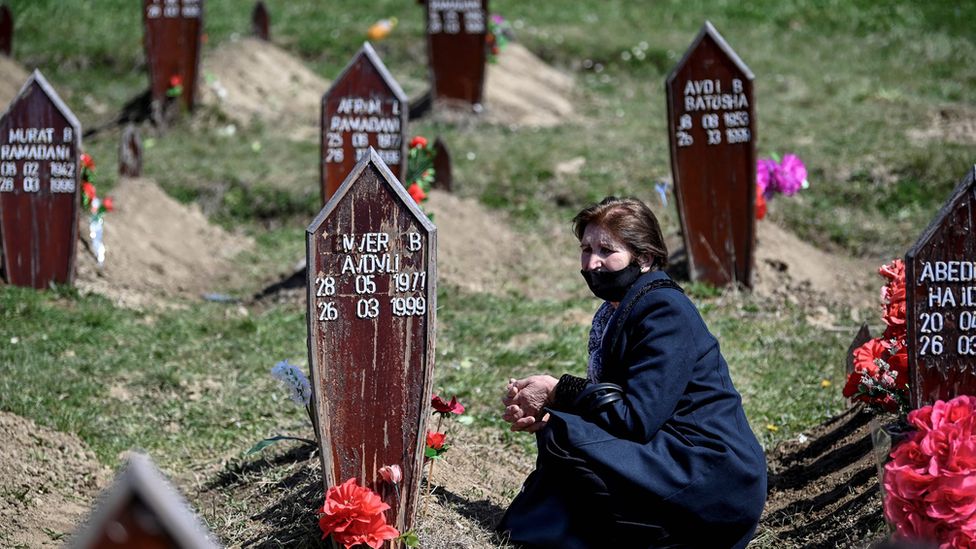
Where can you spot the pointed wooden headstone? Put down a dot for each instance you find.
(365, 107)
(443, 179)
(940, 288)
(261, 21)
(173, 32)
(712, 133)
(371, 314)
(130, 152)
(142, 510)
(456, 48)
(6, 30)
(39, 184)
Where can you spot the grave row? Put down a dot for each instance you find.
(371, 252)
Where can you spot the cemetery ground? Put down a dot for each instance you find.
(877, 98)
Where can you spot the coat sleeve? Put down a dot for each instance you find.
(654, 362)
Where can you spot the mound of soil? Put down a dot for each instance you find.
(48, 480)
(823, 488)
(156, 250)
(12, 78)
(251, 80)
(522, 90)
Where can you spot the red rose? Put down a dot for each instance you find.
(760, 203)
(418, 141)
(417, 193)
(353, 515)
(88, 189)
(108, 203)
(87, 162)
(435, 440)
(175, 81)
(442, 406)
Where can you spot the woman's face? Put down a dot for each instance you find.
(600, 250)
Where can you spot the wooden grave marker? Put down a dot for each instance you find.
(443, 179)
(456, 48)
(6, 30)
(130, 152)
(142, 510)
(712, 134)
(261, 21)
(173, 32)
(371, 316)
(940, 290)
(365, 107)
(39, 185)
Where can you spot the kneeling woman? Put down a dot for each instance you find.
(653, 448)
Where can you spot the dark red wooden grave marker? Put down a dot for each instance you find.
(365, 107)
(130, 152)
(940, 287)
(261, 21)
(173, 31)
(39, 183)
(371, 314)
(456, 48)
(711, 124)
(142, 510)
(6, 30)
(443, 179)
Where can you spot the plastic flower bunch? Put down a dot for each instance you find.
(354, 515)
(420, 168)
(497, 36)
(775, 176)
(89, 195)
(930, 481)
(880, 376)
(175, 86)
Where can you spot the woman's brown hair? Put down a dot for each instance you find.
(632, 222)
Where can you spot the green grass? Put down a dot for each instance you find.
(839, 83)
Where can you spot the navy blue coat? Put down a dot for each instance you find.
(673, 463)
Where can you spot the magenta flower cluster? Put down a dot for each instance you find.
(786, 176)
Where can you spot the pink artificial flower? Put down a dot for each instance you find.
(790, 175)
(391, 474)
(764, 174)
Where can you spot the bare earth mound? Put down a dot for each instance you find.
(12, 78)
(48, 480)
(253, 80)
(157, 249)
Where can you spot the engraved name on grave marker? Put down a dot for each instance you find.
(711, 124)
(940, 287)
(173, 31)
(39, 185)
(371, 315)
(456, 48)
(365, 107)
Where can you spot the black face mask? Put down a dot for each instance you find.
(612, 285)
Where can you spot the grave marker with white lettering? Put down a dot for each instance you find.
(261, 21)
(456, 48)
(39, 184)
(712, 134)
(142, 509)
(443, 179)
(6, 30)
(365, 107)
(173, 32)
(130, 152)
(371, 315)
(940, 288)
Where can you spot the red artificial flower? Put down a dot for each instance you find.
(353, 515)
(175, 81)
(760, 203)
(391, 474)
(109, 205)
(867, 355)
(87, 162)
(442, 406)
(88, 189)
(418, 141)
(436, 440)
(853, 384)
(417, 193)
